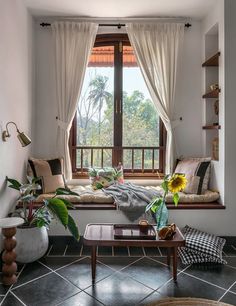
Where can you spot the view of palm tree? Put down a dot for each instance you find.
(95, 120)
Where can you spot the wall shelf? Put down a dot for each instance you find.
(212, 94)
(211, 127)
(212, 61)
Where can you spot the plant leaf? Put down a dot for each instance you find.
(72, 227)
(64, 191)
(176, 198)
(14, 184)
(154, 205)
(164, 185)
(67, 203)
(58, 209)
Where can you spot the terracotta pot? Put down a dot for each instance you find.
(32, 243)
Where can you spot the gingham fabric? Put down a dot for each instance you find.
(201, 247)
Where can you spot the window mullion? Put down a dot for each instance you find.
(118, 59)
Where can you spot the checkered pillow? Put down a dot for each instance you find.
(201, 247)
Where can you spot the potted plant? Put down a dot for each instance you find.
(32, 237)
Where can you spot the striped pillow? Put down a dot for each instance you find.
(197, 172)
(50, 172)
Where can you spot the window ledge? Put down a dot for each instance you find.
(112, 206)
(211, 205)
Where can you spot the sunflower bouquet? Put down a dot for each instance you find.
(171, 184)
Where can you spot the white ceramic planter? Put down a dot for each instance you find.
(32, 243)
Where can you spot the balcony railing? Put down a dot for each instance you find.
(135, 160)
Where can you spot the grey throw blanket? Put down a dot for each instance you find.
(131, 199)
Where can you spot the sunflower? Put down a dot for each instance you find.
(177, 182)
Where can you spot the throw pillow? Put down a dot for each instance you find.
(201, 247)
(104, 177)
(197, 172)
(50, 172)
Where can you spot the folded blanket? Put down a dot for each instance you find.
(131, 199)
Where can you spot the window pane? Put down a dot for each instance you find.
(140, 118)
(95, 106)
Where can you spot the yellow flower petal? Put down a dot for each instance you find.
(177, 183)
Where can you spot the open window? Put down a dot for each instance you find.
(116, 120)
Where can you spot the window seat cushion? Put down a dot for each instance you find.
(88, 195)
(207, 196)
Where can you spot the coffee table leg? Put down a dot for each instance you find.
(93, 262)
(168, 256)
(175, 263)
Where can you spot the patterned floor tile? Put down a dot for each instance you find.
(217, 274)
(74, 248)
(30, 272)
(187, 286)
(149, 272)
(229, 298)
(11, 300)
(79, 273)
(119, 290)
(81, 299)
(47, 290)
(154, 297)
(58, 262)
(117, 263)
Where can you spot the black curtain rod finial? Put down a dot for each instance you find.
(45, 24)
(188, 25)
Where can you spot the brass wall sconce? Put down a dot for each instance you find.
(24, 139)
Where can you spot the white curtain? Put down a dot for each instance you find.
(157, 48)
(73, 43)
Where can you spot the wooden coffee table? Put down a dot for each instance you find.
(103, 235)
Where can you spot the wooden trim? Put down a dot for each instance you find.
(212, 61)
(104, 40)
(112, 206)
(212, 94)
(211, 127)
(211, 205)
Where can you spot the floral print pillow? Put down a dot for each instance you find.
(104, 177)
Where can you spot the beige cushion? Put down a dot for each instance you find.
(88, 195)
(50, 171)
(197, 172)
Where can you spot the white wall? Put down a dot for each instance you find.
(188, 134)
(16, 97)
(188, 100)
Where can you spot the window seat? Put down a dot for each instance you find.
(97, 199)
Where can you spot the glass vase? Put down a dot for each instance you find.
(162, 216)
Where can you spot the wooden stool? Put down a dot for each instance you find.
(9, 268)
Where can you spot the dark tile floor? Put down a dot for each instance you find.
(125, 276)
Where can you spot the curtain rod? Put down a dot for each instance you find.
(118, 25)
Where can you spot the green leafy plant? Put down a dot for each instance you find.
(54, 207)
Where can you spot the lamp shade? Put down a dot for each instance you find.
(24, 139)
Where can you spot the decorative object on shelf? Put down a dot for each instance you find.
(215, 148)
(9, 268)
(23, 138)
(214, 86)
(172, 184)
(167, 232)
(33, 233)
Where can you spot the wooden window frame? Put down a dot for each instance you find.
(115, 40)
